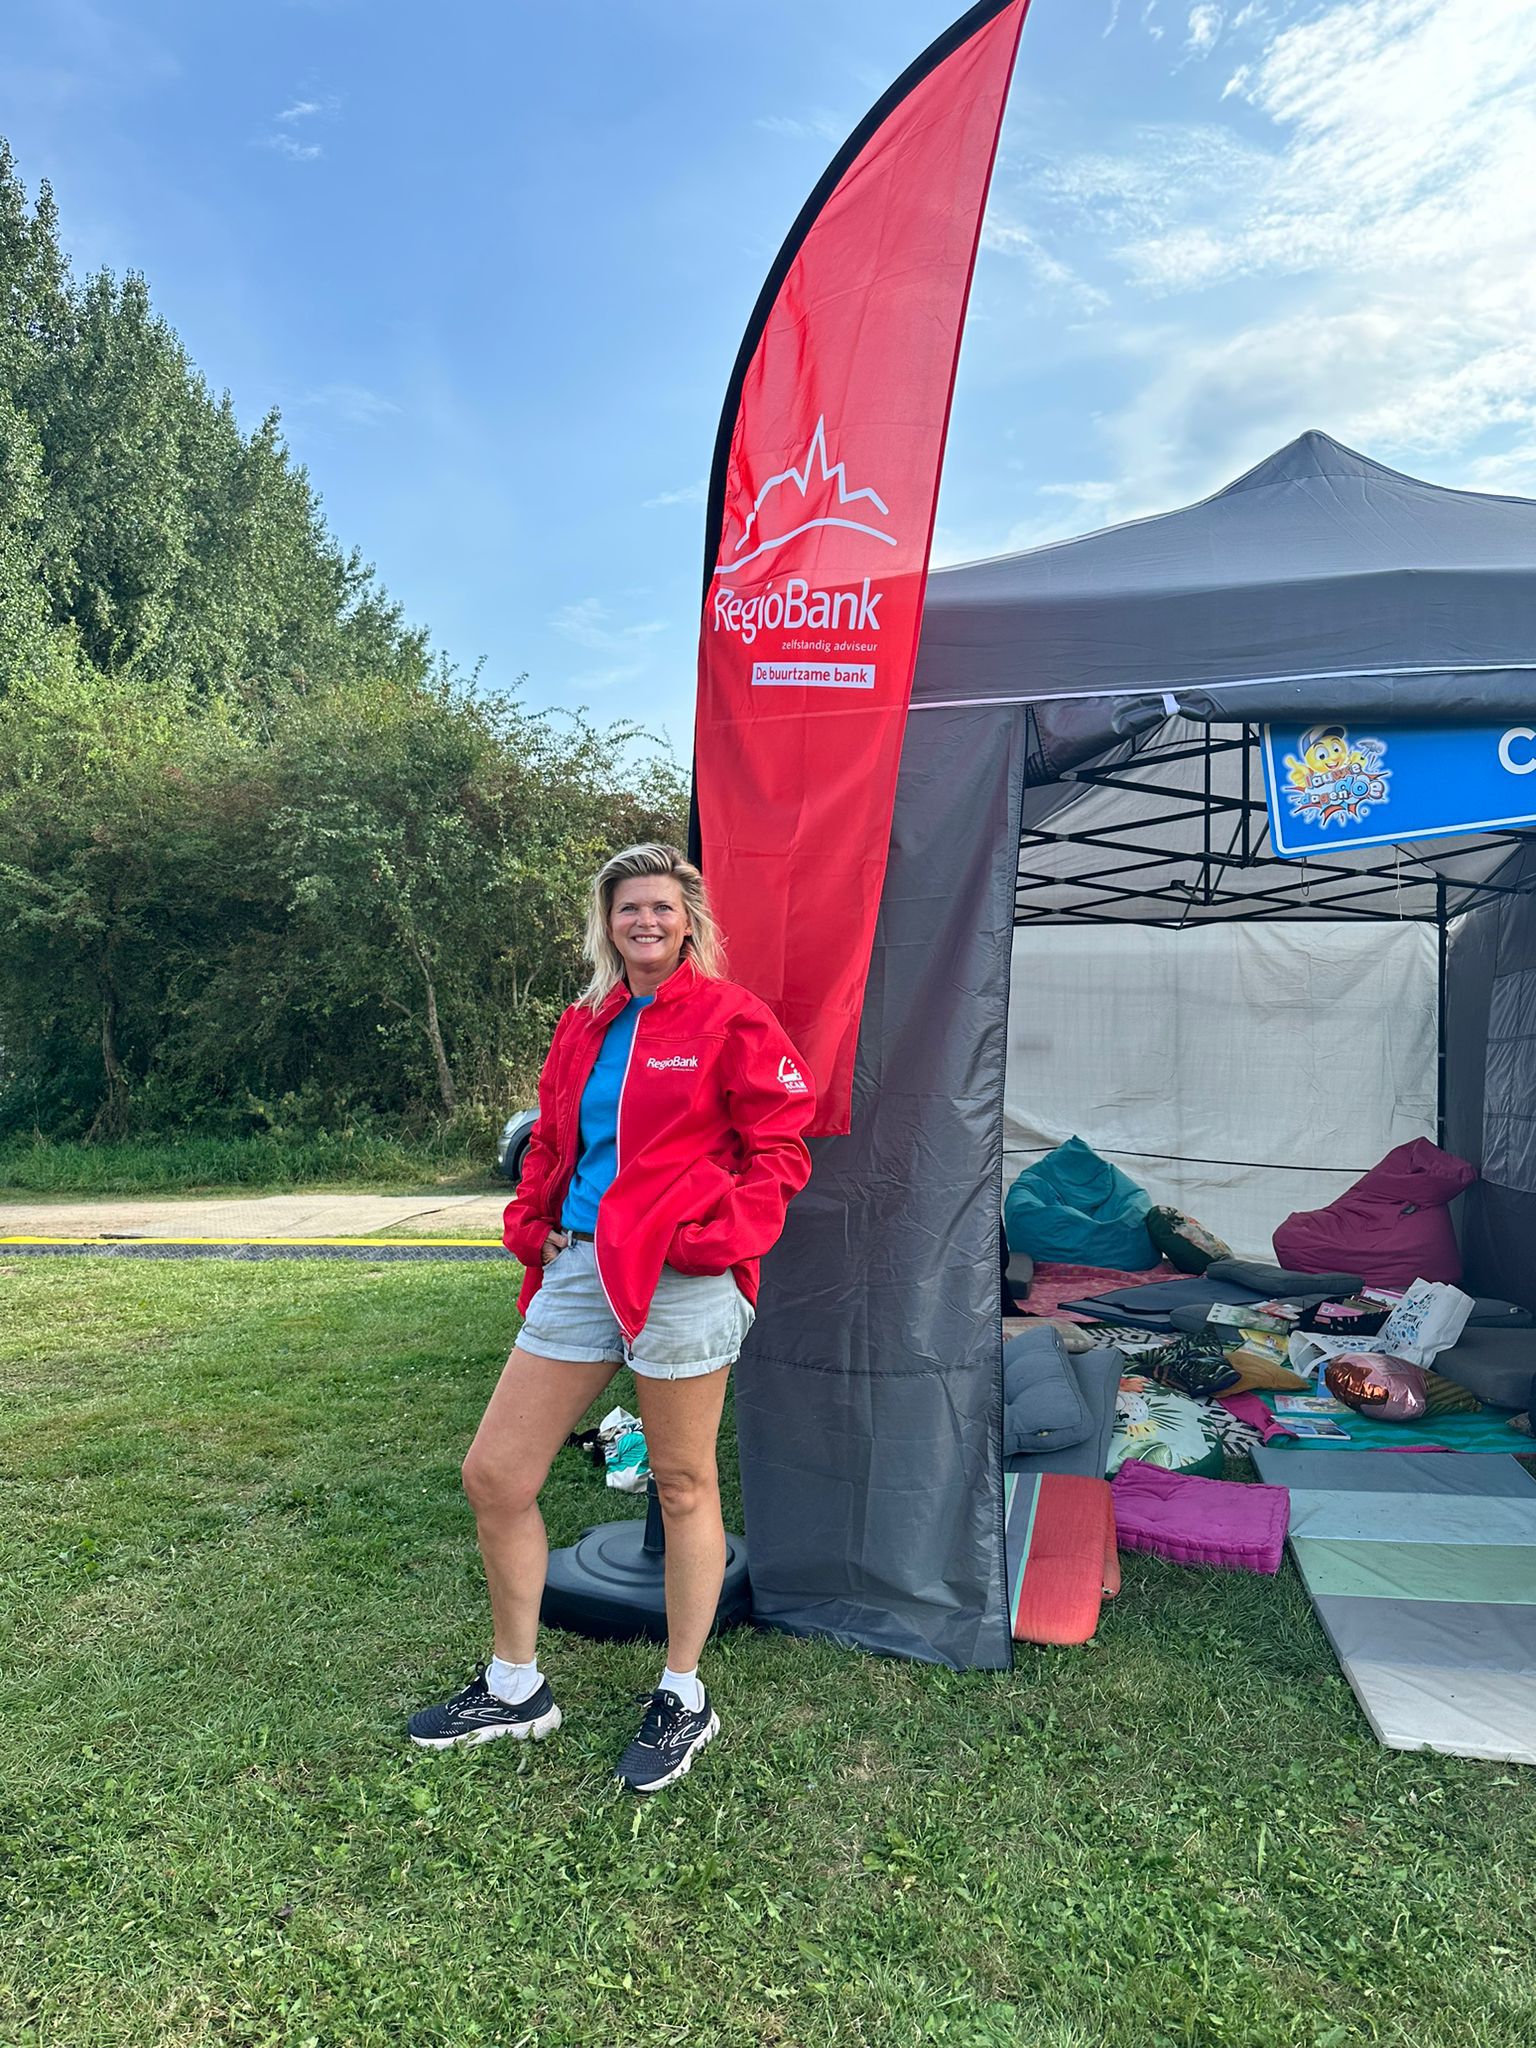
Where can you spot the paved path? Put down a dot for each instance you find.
(259, 1216)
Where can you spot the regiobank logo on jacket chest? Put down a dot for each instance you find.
(674, 1062)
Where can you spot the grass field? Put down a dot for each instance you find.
(235, 1555)
(196, 1165)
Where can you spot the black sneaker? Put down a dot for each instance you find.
(670, 1738)
(477, 1715)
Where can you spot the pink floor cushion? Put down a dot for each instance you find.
(1392, 1227)
(1200, 1521)
(1055, 1283)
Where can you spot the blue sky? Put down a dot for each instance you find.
(492, 262)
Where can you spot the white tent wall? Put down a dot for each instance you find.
(1237, 1071)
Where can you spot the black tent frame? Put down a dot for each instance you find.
(1144, 866)
(1326, 888)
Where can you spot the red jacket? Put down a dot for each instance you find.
(711, 1111)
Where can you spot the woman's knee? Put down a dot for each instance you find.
(686, 1490)
(498, 1485)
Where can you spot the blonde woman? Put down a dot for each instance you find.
(668, 1145)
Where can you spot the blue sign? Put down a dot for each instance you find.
(1338, 784)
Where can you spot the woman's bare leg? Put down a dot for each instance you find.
(682, 1424)
(537, 1403)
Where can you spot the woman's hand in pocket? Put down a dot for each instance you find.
(554, 1245)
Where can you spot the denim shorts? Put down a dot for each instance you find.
(697, 1323)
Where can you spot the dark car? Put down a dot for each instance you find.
(512, 1146)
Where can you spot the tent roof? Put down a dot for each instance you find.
(1317, 564)
(1319, 584)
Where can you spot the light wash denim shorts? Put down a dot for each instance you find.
(697, 1323)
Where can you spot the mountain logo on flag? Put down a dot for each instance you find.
(819, 467)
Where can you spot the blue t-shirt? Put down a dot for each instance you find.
(598, 1160)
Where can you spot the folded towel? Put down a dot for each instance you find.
(1200, 1521)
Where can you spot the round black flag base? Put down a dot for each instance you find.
(609, 1582)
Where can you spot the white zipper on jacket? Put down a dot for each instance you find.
(618, 1124)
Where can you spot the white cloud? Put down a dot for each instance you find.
(1347, 243)
(606, 678)
(353, 403)
(1008, 239)
(687, 494)
(1204, 27)
(297, 110)
(590, 623)
(1513, 472)
(816, 127)
(1165, 175)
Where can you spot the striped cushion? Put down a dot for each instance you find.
(1062, 1560)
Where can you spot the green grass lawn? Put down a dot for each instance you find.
(199, 1165)
(235, 1555)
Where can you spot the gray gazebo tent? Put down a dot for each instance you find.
(1082, 746)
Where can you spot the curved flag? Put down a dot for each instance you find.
(821, 507)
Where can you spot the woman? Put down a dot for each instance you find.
(668, 1144)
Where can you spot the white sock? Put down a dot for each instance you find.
(685, 1684)
(513, 1683)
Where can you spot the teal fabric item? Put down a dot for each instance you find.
(1487, 1431)
(1074, 1207)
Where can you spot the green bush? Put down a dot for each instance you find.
(266, 868)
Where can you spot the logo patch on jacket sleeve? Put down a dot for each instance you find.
(791, 1076)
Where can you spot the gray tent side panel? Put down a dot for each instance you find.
(869, 1399)
(1490, 1054)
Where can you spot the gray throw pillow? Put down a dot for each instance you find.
(1279, 1283)
(1043, 1405)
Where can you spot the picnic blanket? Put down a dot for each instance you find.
(1056, 1282)
(1423, 1574)
(1487, 1430)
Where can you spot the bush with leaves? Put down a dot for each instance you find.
(263, 864)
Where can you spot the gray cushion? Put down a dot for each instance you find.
(1020, 1273)
(1043, 1405)
(1488, 1314)
(1098, 1377)
(1150, 1303)
(1498, 1366)
(1193, 1316)
(1280, 1283)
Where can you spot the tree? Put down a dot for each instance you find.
(261, 860)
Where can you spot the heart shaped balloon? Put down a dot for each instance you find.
(1374, 1383)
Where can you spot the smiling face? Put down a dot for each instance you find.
(648, 924)
(1327, 755)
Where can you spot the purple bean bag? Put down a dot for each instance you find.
(1200, 1521)
(1391, 1227)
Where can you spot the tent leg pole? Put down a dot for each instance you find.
(1440, 1008)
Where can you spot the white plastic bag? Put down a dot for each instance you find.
(1428, 1319)
(624, 1452)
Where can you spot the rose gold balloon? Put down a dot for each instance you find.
(1386, 1389)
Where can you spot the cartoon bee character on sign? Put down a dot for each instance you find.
(1335, 779)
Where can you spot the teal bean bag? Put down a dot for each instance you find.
(1077, 1209)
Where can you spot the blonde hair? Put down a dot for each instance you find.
(702, 945)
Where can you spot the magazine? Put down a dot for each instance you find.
(1310, 1404)
(1319, 1427)
(1254, 1315)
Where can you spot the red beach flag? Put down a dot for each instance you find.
(821, 507)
